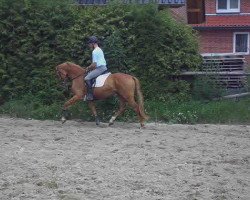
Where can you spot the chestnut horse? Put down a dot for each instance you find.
(123, 85)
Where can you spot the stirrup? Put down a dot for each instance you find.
(89, 97)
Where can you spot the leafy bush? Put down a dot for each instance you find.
(31, 45)
(206, 88)
(38, 35)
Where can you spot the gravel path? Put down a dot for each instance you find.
(47, 160)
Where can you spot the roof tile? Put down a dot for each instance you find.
(225, 21)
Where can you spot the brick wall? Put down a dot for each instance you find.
(245, 6)
(210, 6)
(180, 14)
(218, 41)
(248, 62)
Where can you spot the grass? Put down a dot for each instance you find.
(191, 112)
(226, 112)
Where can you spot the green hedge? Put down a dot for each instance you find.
(37, 35)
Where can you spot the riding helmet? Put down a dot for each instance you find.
(92, 39)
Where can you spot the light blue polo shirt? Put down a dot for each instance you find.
(98, 57)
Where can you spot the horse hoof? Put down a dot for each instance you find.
(97, 121)
(142, 126)
(111, 121)
(63, 119)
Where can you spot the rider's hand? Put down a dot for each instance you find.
(88, 69)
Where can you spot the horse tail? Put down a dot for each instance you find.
(140, 99)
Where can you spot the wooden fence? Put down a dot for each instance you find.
(229, 70)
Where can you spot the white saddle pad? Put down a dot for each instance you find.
(101, 79)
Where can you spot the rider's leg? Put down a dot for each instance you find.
(93, 74)
(89, 95)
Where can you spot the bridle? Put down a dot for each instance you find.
(65, 80)
(58, 72)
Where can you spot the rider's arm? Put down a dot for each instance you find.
(91, 67)
(94, 63)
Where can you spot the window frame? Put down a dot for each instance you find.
(248, 42)
(228, 10)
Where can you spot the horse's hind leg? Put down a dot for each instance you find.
(122, 108)
(135, 106)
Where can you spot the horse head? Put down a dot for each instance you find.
(70, 71)
(61, 72)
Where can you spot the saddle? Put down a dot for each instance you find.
(95, 82)
(99, 80)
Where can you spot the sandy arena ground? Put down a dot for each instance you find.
(45, 160)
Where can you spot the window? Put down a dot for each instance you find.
(241, 43)
(227, 6)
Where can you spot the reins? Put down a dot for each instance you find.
(67, 78)
(76, 77)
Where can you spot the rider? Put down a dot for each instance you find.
(97, 67)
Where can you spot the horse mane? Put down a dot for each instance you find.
(75, 65)
(67, 65)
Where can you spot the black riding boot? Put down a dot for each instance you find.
(89, 96)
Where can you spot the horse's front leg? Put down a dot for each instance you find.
(70, 102)
(93, 110)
